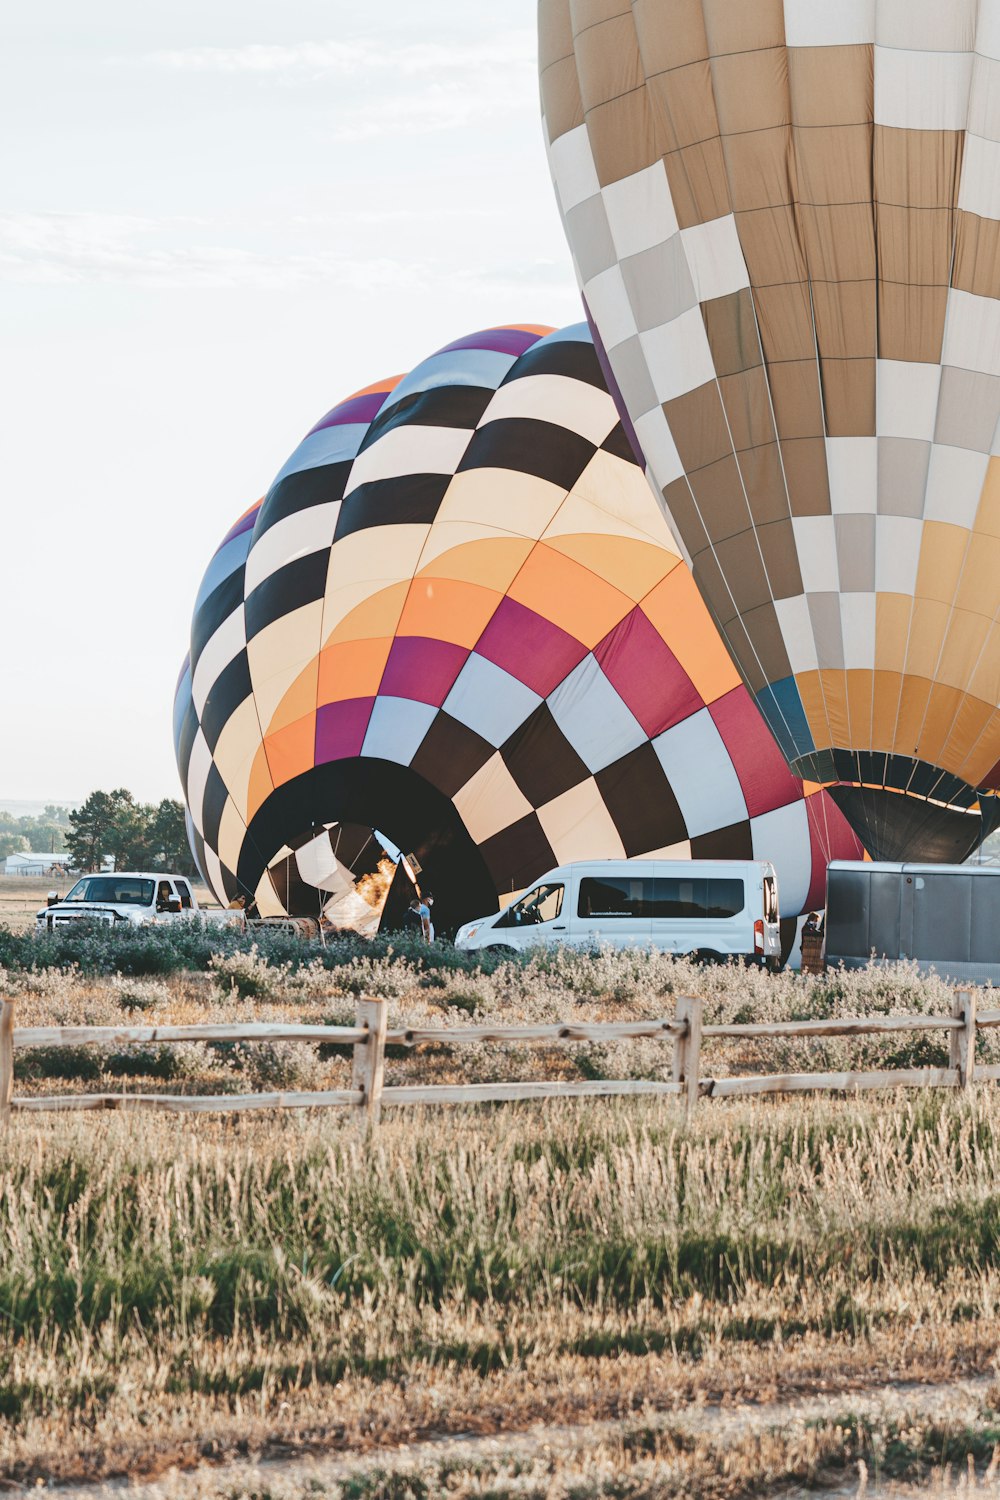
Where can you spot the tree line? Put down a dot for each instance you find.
(137, 835)
(44, 834)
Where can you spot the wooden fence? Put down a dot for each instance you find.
(370, 1036)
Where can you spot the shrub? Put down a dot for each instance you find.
(93, 948)
(139, 995)
(274, 1065)
(144, 1062)
(46, 984)
(248, 975)
(83, 1064)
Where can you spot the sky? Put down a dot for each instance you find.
(217, 219)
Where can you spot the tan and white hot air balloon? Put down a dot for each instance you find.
(785, 219)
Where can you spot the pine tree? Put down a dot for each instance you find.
(104, 825)
(137, 835)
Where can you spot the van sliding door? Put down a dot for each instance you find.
(614, 909)
(696, 913)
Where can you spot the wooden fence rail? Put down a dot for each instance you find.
(369, 1037)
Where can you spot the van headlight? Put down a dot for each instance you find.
(470, 932)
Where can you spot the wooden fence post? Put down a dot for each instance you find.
(687, 1049)
(368, 1068)
(6, 1060)
(962, 1044)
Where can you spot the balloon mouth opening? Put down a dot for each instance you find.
(895, 825)
(339, 872)
(413, 817)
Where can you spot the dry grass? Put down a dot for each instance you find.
(167, 1291)
(946, 1436)
(171, 1290)
(22, 895)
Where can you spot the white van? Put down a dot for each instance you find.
(714, 908)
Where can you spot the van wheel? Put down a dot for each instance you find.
(501, 950)
(706, 956)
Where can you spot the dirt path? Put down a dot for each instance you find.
(959, 1402)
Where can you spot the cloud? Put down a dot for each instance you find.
(374, 218)
(128, 250)
(384, 87)
(349, 58)
(74, 249)
(432, 109)
(542, 276)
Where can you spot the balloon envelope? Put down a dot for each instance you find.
(785, 219)
(459, 617)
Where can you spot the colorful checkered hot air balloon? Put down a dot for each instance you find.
(458, 617)
(785, 219)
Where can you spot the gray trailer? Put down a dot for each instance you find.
(946, 917)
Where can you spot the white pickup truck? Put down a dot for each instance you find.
(131, 897)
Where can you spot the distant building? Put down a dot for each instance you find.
(34, 864)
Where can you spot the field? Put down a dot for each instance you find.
(564, 1300)
(22, 895)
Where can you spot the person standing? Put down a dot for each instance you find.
(417, 919)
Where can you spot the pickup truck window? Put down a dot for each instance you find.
(113, 890)
(184, 891)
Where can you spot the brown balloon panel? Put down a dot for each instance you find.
(459, 617)
(785, 221)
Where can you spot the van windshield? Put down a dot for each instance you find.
(542, 903)
(113, 889)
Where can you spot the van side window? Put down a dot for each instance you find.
(615, 896)
(770, 899)
(679, 898)
(542, 903)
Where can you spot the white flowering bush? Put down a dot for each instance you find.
(266, 1066)
(247, 975)
(53, 985)
(385, 978)
(141, 995)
